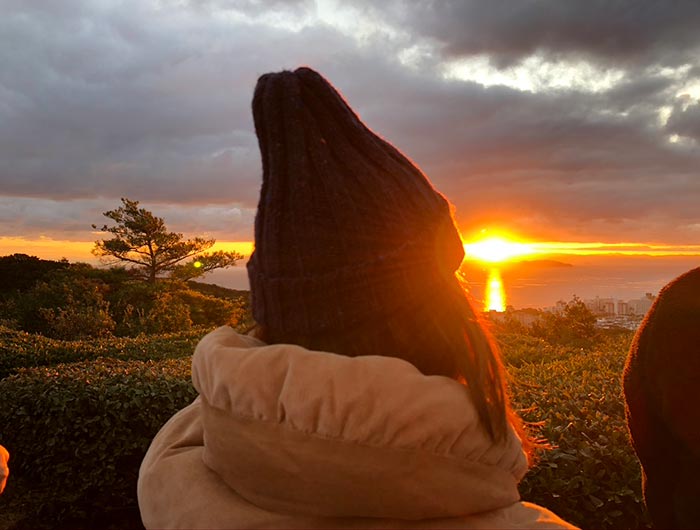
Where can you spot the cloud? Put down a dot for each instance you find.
(561, 126)
(538, 162)
(71, 220)
(625, 33)
(685, 121)
(151, 102)
(255, 7)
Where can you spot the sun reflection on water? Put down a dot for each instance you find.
(495, 295)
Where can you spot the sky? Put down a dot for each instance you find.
(553, 121)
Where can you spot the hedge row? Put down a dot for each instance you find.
(19, 349)
(590, 476)
(79, 432)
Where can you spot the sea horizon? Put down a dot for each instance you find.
(542, 283)
(530, 282)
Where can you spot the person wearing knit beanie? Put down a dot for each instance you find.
(369, 395)
(341, 211)
(355, 250)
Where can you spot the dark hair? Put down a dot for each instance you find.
(443, 336)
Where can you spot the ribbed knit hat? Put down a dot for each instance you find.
(348, 230)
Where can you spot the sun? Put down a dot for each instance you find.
(496, 249)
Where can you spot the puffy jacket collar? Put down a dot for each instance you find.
(314, 433)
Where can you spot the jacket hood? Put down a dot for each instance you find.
(317, 434)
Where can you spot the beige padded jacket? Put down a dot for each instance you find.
(284, 437)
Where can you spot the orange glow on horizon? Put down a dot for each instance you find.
(492, 250)
(47, 248)
(501, 248)
(56, 249)
(600, 248)
(243, 247)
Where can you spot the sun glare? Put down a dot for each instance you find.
(496, 249)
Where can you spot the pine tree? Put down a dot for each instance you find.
(142, 240)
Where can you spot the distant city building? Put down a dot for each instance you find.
(604, 307)
(610, 313)
(613, 313)
(641, 306)
(620, 321)
(526, 317)
(601, 306)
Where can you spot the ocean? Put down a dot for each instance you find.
(542, 283)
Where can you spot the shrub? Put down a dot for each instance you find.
(167, 313)
(77, 321)
(67, 307)
(169, 306)
(519, 349)
(591, 476)
(139, 307)
(83, 429)
(575, 326)
(19, 349)
(76, 301)
(78, 432)
(20, 272)
(211, 311)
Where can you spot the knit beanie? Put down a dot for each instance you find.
(348, 231)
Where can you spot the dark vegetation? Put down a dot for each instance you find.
(92, 363)
(82, 401)
(572, 398)
(73, 301)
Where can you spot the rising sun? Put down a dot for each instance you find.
(496, 249)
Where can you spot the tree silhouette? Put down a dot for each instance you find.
(142, 240)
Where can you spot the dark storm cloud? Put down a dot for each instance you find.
(114, 101)
(643, 92)
(685, 121)
(589, 164)
(152, 102)
(614, 33)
